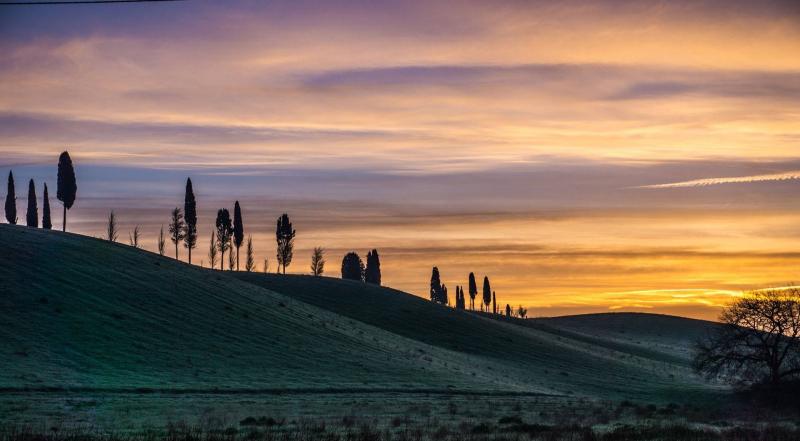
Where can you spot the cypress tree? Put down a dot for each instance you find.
(508, 310)
(11, 201)
(190, 219)
(67, 187)
(373, 271)
(445, 298)
(473, 290)
(352, 267)
(238, 230)
(437, 292)
(487, 293)
(46, 222)
(32, 215)
(494, 303)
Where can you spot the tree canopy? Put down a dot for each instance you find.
(190, 219)
(758, 342)
(284, 235)
(67, 186)
(352, 267)
(373, 272)
(11, 200)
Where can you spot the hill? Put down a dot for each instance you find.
(81, 313)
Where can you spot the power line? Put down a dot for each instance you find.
(81, 2)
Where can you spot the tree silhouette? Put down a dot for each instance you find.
(373, 271)
(266, 265)
(522, 312)
(190, 219)
(250, 264)
(352, 267)
(133, 237)
(11, 200)
(758, 342)
(32, 215)
(284, 234)
(487, 293)
(318, 261)
(212, 250)
(494, 303)
(162, 241)
(238, 230)
(67, 187)
(508, 310)
(445, 297)
(224, 232)
(473, 291)
(437, 289)
(111, 227)
(177, 228)
(231, 258)
(46, 222)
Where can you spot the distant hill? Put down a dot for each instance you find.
(82, 313)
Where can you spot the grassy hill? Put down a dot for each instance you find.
(84, 314)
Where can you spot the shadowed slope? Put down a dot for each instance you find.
(546, 357)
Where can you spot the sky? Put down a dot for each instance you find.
(586, 156)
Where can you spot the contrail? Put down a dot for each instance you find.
(785, 176)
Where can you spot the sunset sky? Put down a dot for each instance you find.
(587, 156)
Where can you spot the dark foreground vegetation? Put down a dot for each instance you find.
(353, 429)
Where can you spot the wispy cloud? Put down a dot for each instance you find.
(785, 176)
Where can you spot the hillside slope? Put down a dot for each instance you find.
(82, 313)
(78, 312)
(547, 357)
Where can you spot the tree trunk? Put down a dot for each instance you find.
(237, 258)
(176, 250)
(64, 223)
(190, 255)
(222, 261)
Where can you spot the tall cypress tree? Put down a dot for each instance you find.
(67, 187)
(190, 219)
(473, 290)
(32, 215)
(373, 272)
(11, 200)
(494, 303)
(487, 293)
(238, 230)
(46, 223)
(437, 291)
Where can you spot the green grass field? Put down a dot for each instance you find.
(101, 333)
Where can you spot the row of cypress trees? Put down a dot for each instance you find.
(66, 192)
(438, 294)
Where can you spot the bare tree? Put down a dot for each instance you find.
(162, 241)
(250, 264)
(759, 340)
(212, 251)
(133, 237)
(522, 312)
(318, 261)
(266, 265)
(111, 228)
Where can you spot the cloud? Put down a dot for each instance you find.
(705, 182)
